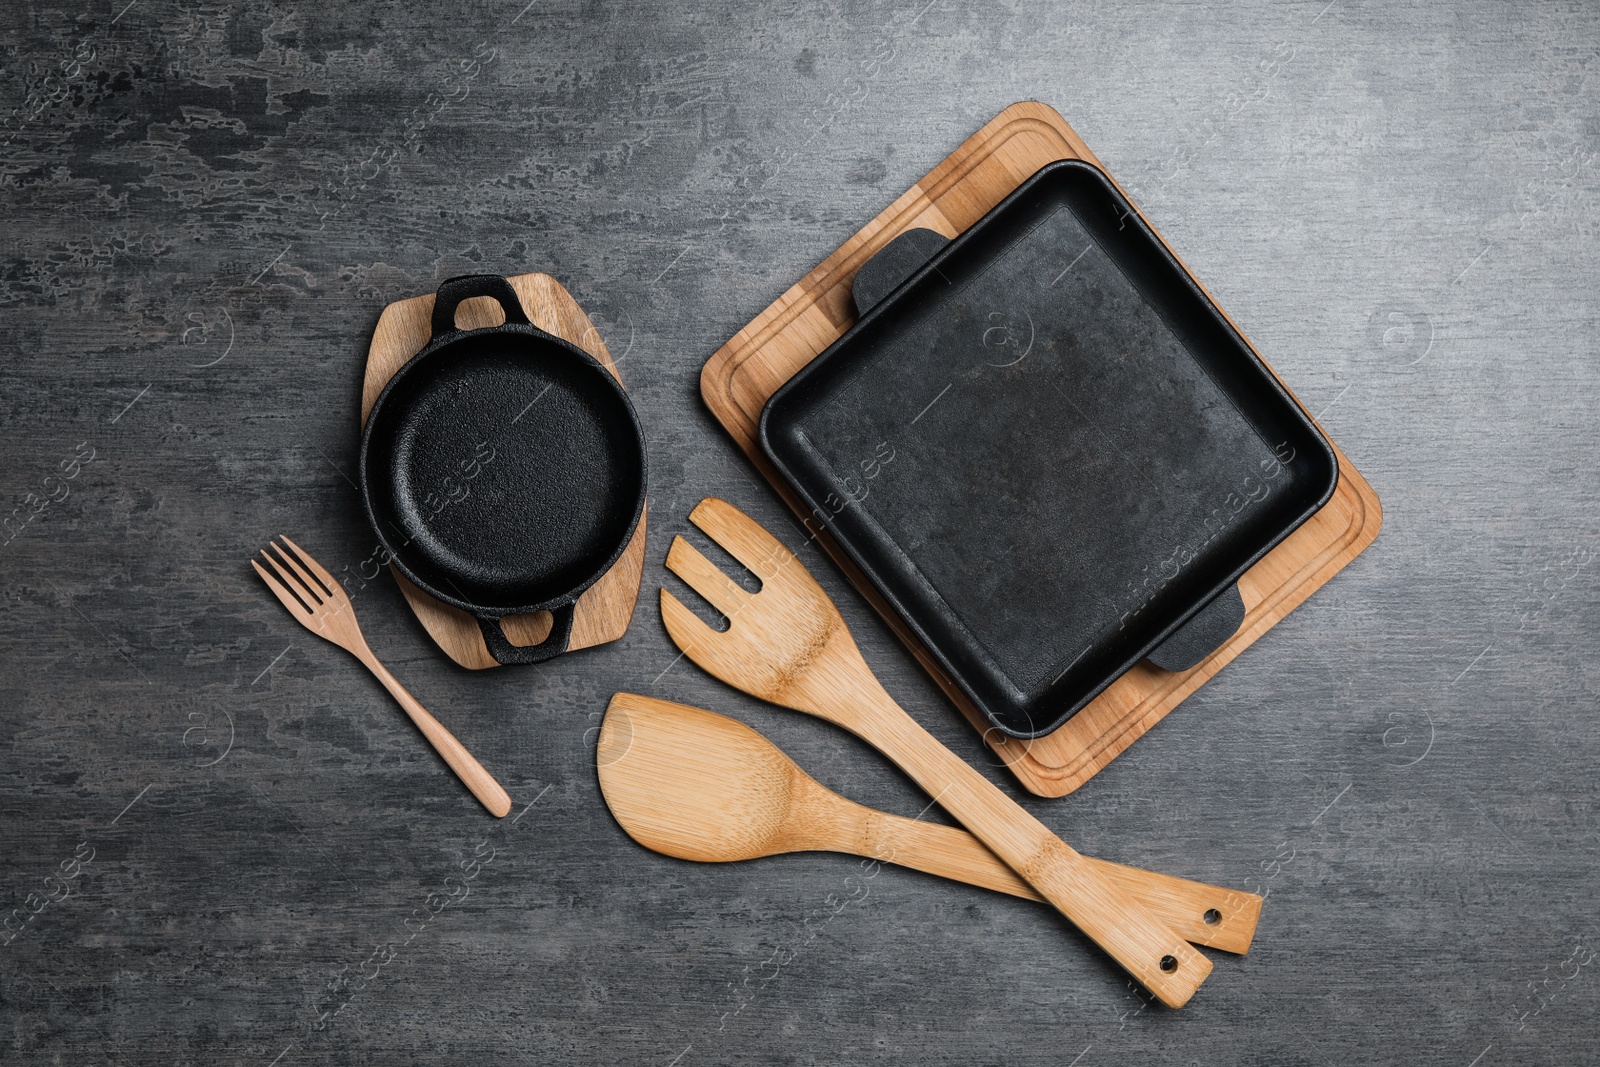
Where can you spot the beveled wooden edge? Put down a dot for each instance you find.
(605, 609)
(1063, 760)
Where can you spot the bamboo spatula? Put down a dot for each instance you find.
(701, 786)
(788, 644)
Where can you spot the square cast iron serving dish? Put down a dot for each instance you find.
(1047, 449)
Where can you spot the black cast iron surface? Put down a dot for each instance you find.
(1048, 450)
(504, 468)
(204, 207)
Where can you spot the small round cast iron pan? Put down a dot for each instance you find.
(503, 469)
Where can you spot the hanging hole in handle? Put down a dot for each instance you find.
(478, 313)
(525, 631)
(504, 652)
(454, 292)
(1169, 963)
(1212, 916)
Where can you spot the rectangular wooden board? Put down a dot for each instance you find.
(739, 378)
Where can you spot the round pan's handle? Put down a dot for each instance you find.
(466, 286)
(508, 655)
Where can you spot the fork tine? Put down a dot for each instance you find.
(314, 587)
(745, 539)
(288, 599)
(685, 628)
(293, 583)
(316, 568)
(706, 578)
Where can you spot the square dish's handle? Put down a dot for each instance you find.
(1208, 630)
(893, 264)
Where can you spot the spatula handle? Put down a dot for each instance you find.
(1148, 948)
(1203, 914)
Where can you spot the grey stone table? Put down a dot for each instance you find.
(217, 834)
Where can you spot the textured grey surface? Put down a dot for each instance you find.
(205, 205)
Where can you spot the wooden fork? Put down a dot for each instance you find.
(322, 606)
(788, 644)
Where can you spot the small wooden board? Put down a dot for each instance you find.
(605, 609)
(739, 378)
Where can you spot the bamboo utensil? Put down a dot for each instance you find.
(701, 786)
(322, 606)
(788, 644)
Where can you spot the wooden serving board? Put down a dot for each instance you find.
(603, 612)
(737, 381)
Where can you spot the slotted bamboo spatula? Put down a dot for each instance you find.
(701, 786)
(788, 644)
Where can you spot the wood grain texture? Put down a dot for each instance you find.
(744, 373)
(205, 207)
(788, 644)
(700, 786)
(604, 610)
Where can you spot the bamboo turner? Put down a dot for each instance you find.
(701, 786)
(321, 605)
(789, 645)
